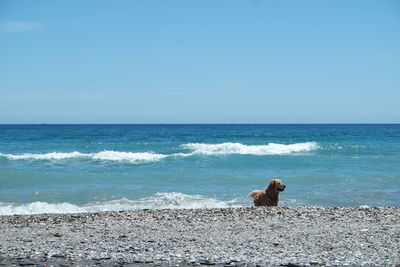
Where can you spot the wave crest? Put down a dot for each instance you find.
(171, 200)
(237, 148)
(128, 156)
(104, 155)
(45, 156)
(196, 148)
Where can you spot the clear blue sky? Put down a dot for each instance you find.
(204, 61)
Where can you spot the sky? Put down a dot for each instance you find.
(199, 61)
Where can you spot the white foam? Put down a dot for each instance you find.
(170, 200)
(128, 156)
(104, 155)
(46, 156)
(237, 148)
(38, 208)
(196, 148)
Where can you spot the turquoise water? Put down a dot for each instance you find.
(86, 168)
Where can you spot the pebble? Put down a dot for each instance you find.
(252, 236)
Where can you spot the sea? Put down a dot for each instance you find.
(94, 168)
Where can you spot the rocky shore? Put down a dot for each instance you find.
(262, 236)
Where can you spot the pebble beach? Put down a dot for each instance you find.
(251, 236)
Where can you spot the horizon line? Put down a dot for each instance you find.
(218, 123)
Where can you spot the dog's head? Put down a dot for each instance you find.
(277, 185)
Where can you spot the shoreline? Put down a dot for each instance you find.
(264, 236)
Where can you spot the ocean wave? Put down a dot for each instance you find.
(45, 156)
(195, 148)
(104, 155)
(237, 148)
(128, 156)
(171, 200)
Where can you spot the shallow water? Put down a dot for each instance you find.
(84, 168)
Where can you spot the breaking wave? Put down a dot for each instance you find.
(128, 156)
(104, 155)
(46, 156)
(194, 149)
(170, 200)
(237, 148)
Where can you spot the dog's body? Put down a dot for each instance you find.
(270, 195)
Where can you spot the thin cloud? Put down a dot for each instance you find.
(19, 26)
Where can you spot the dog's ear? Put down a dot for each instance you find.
(275, 182)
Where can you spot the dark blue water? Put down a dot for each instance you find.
(78, 168)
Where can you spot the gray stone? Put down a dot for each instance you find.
(254, 236)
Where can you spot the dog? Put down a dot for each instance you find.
(270, 195)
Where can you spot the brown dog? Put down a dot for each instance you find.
(270, 195)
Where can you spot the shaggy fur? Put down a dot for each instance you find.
(270, 195)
